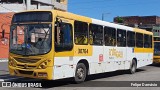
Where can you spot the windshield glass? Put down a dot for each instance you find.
(157, 48)
(30, 39)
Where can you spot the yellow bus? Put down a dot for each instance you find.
(156, 49)
(55, 45)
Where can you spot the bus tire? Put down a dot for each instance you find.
(133, 67)
(80, 73)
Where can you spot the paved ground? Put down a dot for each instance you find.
(106, 81)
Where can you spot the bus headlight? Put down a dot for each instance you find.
(12, 63)
(43, 65)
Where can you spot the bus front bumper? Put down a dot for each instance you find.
(156, 60)
(32, 73)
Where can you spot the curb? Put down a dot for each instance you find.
(3, 60)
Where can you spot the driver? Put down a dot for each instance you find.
(42, 45)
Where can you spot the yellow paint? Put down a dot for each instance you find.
(143, 50)
(78, 50)
(71, 16)
(64, 53)
(142, 31)
(156, 59)
(42, 58)
(83, 50)
(115, 53)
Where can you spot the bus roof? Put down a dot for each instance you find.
(94, 21)
(100, 22)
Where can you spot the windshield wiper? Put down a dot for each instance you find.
(45, 33)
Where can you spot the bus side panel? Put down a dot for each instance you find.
(149, 54)
(140, 56)
(151, 58)
(130, 55)
(115, 58)
(120, 58)
(97, 60)
(63, 67)
(108, 59)
(144, 56)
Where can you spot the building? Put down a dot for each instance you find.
(153, 20)
(144, 22)
(9, 7)
(21, 5)
(150, 23)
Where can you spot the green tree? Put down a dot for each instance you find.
(119, 20)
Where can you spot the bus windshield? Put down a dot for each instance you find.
(157, 48)
(30, 39)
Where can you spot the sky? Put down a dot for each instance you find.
(113, 8)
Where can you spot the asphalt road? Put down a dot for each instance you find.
(120, 80)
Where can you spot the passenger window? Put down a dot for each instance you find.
(139, 40)
(81, 33)
(96, 34)
(63, 37)
(130, 39)
(121, 38)
(109, 36)
(147, 41)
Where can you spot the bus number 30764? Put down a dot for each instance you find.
(82, 51)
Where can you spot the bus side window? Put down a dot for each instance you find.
(121, 38)
(96, 34)
(139, 40)
(147, 41)
(130, 39)
(63, 37)
(81, 33)
(110, 36)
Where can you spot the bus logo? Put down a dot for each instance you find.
(101, 58)
(25, 66)
(115, 53)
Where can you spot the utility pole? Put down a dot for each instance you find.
(103, 14)
(28, 4)
(39, 6)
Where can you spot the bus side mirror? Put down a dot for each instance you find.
(58, 22)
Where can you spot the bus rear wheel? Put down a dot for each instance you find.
(133, 67)
(80, 73)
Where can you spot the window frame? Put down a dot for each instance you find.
(102, 33)
(138, 40)
(147, 40)
(86, 32)
(130, 40)
(113, 37)
(72, 44)
(122, 39)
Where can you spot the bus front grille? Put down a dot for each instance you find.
(27, 60)
(24, 66)
(26, 72)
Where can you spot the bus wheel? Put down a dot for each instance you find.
(133, 67)
(80, 73)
